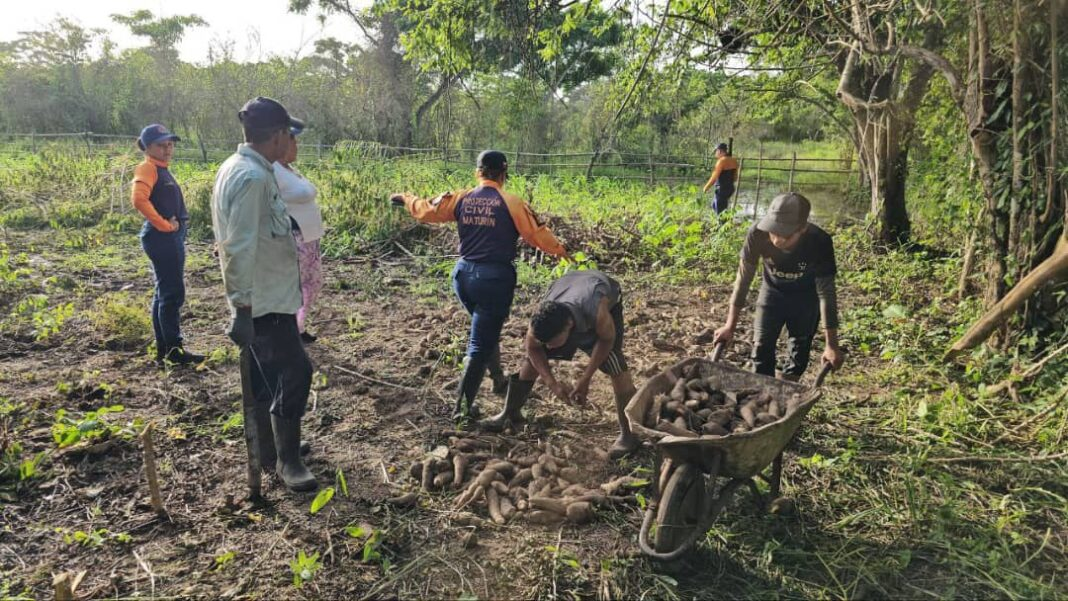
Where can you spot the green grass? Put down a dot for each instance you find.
(915, 481)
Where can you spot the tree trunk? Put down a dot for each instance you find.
(983, 133)
(443, 84)
(888, 185)
(883, 109)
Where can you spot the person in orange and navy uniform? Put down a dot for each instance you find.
(159, 198)
(489, 221)
(723, 178)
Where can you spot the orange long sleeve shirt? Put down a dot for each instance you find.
(145, 178)
(482, 214)
(724, 166)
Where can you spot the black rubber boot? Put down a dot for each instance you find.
(265, 439)
(512, 414)
(496, 374)
(470, 381)
(180, 356)
(290, 467)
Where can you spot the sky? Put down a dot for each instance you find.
(256, 29)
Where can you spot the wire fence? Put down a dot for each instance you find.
(760, 173)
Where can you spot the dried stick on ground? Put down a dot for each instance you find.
(1031, 420)
(150, 469)
(1030, 372)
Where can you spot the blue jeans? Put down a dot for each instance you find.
(166, 251)
(721, 199)
(486, 290)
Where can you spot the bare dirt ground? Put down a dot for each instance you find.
(397, 326)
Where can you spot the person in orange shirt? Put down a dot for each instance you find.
(723, 178)
(157, 196)
(489, 221)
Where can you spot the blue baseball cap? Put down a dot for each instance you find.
(266, 113)
(154, 133)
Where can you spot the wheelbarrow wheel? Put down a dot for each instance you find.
(682, 508)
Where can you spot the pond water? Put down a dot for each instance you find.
(829, 203)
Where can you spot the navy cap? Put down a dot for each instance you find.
(493, 160)
(154, 133)
(787, 214)
(265, 113)
(723, 146)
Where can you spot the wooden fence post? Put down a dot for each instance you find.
(88, 142)
(760, 165)
(652, 178)
(33, 142)
(738, 183)
(319, 151)
(515, 169)
(793, 165)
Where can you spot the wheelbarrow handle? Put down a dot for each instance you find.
(826, 369)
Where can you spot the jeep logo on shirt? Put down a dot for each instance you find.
(802, 267)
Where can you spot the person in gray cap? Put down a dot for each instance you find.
(797, 288)
(258, 257)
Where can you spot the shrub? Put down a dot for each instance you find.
(121, 320)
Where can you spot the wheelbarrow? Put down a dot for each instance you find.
(689, 495)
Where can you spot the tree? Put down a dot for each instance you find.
(163, 33)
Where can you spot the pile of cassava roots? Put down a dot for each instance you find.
(536, 483)
(695, 407)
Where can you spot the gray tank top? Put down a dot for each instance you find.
(582, 292)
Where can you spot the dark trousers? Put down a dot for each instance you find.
(486, 290)
(800, 316)
(721, 199)
(166, 251)
(281, 371)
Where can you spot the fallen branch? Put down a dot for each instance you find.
(969, 458)
(1052, 269)
(1029, 373)
(1034, 418)
(373, 380)
(981, 459)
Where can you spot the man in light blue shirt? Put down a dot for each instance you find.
(258, 258)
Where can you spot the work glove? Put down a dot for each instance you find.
(241, 329)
